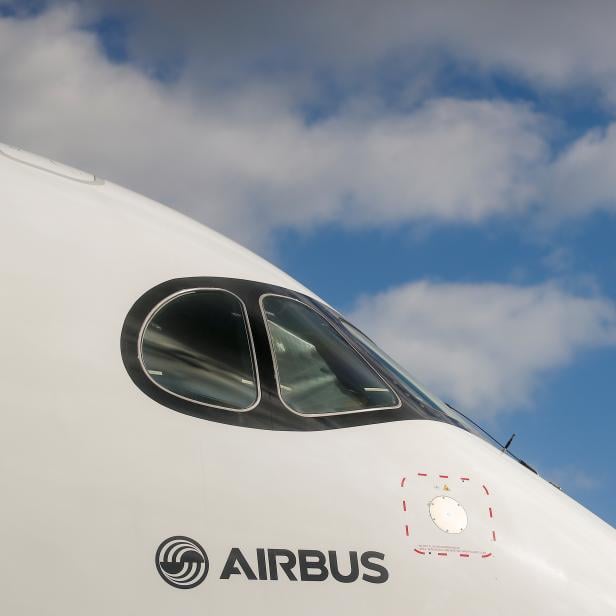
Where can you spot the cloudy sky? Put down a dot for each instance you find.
(444, 172)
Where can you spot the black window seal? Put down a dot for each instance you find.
(270, 413)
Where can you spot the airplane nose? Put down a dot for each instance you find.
(496, 530)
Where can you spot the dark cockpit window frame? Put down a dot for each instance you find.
(269, 412)
(250, 340)
(343, 341)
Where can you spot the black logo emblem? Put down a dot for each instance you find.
(182, 562)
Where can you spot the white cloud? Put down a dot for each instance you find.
(242, 159)
(582, 178)
(484, 346)
(564, 44)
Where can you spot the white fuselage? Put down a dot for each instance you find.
(94, 474)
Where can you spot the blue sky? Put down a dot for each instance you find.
(442, 170)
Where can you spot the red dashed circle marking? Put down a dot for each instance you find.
(461, 554)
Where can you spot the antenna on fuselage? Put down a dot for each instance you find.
(508, 443)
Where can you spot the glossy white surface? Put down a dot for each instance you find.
(46, 164)
(94, 474)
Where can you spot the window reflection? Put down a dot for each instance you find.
(197, 346)
(318, 371)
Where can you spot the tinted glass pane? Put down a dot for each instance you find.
(318, 371)
(418, 392)
(197, 346)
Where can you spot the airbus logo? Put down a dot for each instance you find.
(183, 563)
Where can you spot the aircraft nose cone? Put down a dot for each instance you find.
(493, 529)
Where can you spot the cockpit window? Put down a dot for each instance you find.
(197, 345)
(419, 393)
(318, 371)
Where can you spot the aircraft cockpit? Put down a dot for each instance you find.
(261, 356)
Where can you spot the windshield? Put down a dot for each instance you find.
(418, 392)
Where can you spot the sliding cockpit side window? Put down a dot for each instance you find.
(197, 345)
(318, 372)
